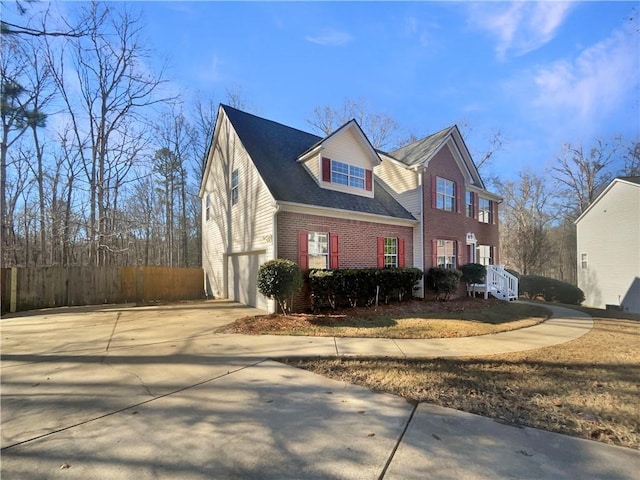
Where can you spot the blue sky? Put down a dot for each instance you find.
(542, 73)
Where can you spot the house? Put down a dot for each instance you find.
(608, 247)
(273, 191)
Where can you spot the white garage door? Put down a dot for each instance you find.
(243, 284)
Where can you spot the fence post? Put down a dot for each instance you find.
(14, 290)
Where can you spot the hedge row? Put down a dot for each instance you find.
(353, 287)
(551, 289)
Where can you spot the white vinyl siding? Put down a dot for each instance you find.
(344, 147)
(608, 234)
(404, 185)
(243, 230)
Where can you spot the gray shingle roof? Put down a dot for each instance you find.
(274, 149)
(416, 152)
(635, 179)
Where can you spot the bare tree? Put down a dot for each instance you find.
(581, 173)
(380, 128)
(524, 233)
(632, 160)
(494, 143)
(110, 95)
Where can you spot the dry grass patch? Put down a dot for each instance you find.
(587, 388)
(416, 319)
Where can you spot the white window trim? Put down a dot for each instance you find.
(313, 242)
(485, 215)
(391, 259)
(444, 195)
(352, 175)
(235, 187)
(453, 256)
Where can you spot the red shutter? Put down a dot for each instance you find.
(433, 191)
(303, 250)
(368, 180)
(401, 261)
(333, 251)
(458, 195)
(460, 260)
(434, 253)
(326, 169)
(494, 216)
(380, 252)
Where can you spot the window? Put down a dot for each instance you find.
(445, 194)
(348, 175)
(390, 252)
(485, 210)
(234, 187)
(318, 250)
(446, 253)
(485, 255)
(583, 260)
(208, 209)
(470, 205)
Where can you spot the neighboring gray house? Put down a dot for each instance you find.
(608, 247)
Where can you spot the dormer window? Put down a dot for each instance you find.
(347, 175)
(344, 174)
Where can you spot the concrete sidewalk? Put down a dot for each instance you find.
(129, 393)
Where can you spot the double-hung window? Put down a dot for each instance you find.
(485, 210)
(470, 205)
(583, 260)
(349, 175)
(485, 255)
(208, 209)
(445, 194)
(234, 187)
(446, 253)
(390, 252)
(318, 250)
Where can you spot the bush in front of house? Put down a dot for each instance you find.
(280, 279)
(473, 273)
(354, 287)
(443, 281)
(550, 289)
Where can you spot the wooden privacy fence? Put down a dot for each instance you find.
(42, 287)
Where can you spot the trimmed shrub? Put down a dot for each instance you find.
(551, 289)
(353, 287)
(280, 279)
(443, 281)
(473, 273)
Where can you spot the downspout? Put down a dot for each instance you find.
(274, 236)
(419, 173)
(274, 246)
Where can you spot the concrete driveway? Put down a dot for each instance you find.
(120, 392)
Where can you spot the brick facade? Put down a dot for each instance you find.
(445, 225)
(357, 241)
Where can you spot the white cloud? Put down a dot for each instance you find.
(520, 27)
(595, 83)
(330, 38)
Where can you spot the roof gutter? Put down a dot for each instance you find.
(346, 214)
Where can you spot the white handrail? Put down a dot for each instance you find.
(500, 283)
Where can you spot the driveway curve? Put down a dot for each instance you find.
(118, 392)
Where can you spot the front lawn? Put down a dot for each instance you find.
(414, 319)
(587, 388)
